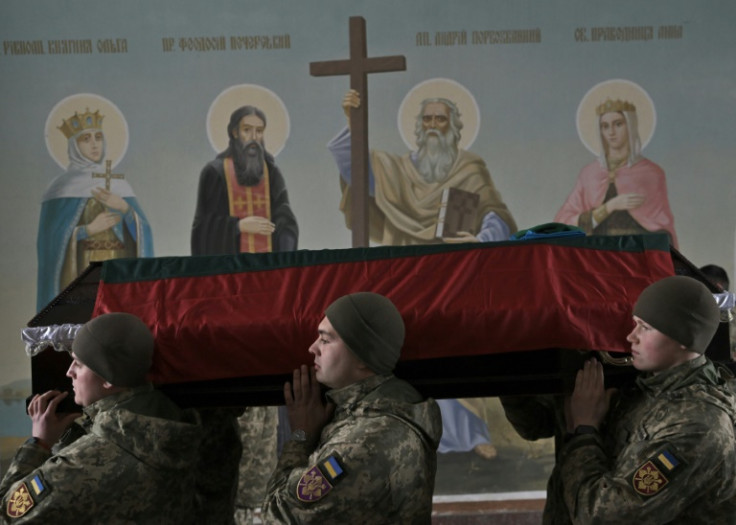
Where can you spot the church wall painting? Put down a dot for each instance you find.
(527, 66)
(242, 199)
(622, 192)
(88, 213)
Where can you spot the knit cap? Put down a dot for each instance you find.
(371, 327)
(681, 308)
(117, 346)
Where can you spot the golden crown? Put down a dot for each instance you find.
(77, 123)
(610, 106)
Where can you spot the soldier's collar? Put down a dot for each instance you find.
(656, 383)
(108, 402)
(357, 391)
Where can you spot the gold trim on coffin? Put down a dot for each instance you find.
(607, 358)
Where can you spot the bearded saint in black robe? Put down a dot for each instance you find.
(215, 230)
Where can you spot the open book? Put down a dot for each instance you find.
(457, 213)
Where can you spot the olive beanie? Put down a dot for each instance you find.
(371, 327)
(682, 308)
(117, 346)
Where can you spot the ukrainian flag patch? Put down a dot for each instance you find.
(331, 468)
(669, 461)
(37, 485)
(656, 473)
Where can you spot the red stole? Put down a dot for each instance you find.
(247, 201)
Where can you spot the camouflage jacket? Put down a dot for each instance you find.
(375, 461)
(667, 455)
(130, 461)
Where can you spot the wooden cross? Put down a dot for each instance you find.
(358, 66)
(108, 175)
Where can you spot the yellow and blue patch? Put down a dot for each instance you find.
(37, 485)
(331, 468)
(656, 473)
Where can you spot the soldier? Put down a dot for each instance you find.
(666, 453)
(373, 444)
(128, 459)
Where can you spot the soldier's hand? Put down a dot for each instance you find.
(307, 411)
(47, 425)
(590, 401)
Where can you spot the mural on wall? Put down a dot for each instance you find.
(242, 202)
(508, 76)
(88, 213)
(406, 190)
(621, 192)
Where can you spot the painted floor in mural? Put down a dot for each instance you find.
(512, 470)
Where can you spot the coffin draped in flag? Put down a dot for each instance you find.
(239, 316)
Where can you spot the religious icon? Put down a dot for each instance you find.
(242, 202)
(406, 191)
(88, 213)
(621, 192)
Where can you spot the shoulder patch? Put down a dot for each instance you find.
(39, 487)
(656, 473)
(319, 480)
(331, 468)
(19, 502)
(312, 486)
(30, 492)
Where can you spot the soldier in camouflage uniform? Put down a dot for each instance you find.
(666, 453)
(259, 436)
(369, 455)
(128, 459)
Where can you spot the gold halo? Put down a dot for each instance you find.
(587, 120)
(114, 126)
(442, 88)
(218, 116)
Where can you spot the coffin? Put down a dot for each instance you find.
(488, 319)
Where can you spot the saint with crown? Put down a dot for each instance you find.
(87, 213)
(622, 192)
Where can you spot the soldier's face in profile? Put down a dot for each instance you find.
(614, 130)
(335, 365)
(90, 145)
(250, 128)
(88, 386)
(653, 351)
(436, 116)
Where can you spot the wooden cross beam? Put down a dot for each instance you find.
(358, 66)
